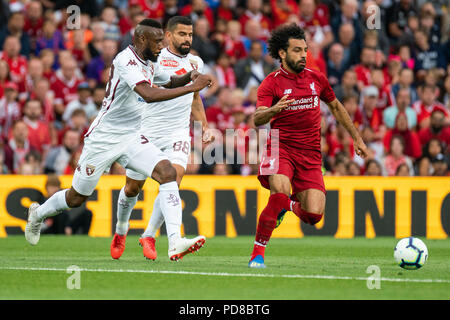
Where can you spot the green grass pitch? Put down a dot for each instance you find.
(307, 268)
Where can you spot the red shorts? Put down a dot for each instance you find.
(302, 167)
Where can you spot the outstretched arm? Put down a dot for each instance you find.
(341, 115)
(152, 94)
(182, 80)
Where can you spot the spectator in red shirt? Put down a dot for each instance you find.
(33, 22)
(427, 103)
(38, 130)
(412, 143)
(35, 73)
(225, 11)
(17, 63)
(48, 61)
(436, 130)
(363, 69)
(315, 22)
(4, 76)
(43, 93)
(9, 109)
(350, 103)
(198, 9)
(385, 98)
(281, 10)
(64, 84)
(17, 147)
(233, 44)
(78, 121)
(254, 12)
(153, 9)
(218, 115)
(371, 115)
(224, 72)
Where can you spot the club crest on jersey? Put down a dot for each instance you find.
(169, 63)
(132, 63)
(313, 90)
(90, 169)
(194, 64)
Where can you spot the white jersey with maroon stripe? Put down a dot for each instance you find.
(161, 118)
(122, 107)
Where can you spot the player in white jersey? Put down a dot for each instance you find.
(166, 124)
(114, 134)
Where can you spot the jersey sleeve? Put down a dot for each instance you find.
(327, 93)
(201, 65)
(161, 76)
(129, 72)
(265, 93)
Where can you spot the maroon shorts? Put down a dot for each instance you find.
(302, 167)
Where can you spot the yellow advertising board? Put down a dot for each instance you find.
(230, 205)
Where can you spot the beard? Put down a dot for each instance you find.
(296, 67)
(149, 55)
(184, 50)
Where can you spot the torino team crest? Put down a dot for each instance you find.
(90, 169)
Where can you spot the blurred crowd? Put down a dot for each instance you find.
(387, 61)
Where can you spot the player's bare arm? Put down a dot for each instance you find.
(182, 80)
(198, 114)
(342, 116)
(264, 114)
(151, 94)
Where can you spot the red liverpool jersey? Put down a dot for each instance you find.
(299, 123)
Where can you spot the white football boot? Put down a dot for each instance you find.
(33, 227)
(182, 246)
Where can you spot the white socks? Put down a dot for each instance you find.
(170, 202)
(124, 207)
(53, 206)
(156, 220)
(167, 207)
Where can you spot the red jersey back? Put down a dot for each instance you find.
(299, 123)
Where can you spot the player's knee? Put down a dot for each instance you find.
(167, 172)
(132, 189)
(314, 218)
(74, 199)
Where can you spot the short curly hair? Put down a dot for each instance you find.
(279, 38)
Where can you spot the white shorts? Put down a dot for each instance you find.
(176, 147)
(135, 152)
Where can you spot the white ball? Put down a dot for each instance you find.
(411, 253)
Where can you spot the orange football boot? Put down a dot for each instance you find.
(148, 247)
(117, 245)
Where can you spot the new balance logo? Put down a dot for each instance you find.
(132, 63)
(287, 91)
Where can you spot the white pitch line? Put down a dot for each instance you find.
(226, 274)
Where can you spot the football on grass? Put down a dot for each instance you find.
(411, 253)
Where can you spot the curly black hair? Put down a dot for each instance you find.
(279, 38)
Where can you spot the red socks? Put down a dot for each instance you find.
(268, 221)
(305, 216)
